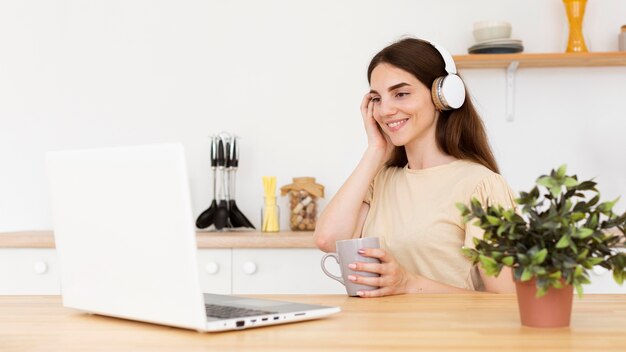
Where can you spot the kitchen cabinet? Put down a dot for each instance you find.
(265, 271)
(250, 268)
(215, 270)
(285, 271)
(228, 263)
(29, 271)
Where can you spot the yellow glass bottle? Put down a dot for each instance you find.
(575, 10)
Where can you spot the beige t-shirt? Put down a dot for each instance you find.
(415, 215)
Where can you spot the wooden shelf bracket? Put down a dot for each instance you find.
(511, 70)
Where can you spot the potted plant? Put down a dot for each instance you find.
(562, 232)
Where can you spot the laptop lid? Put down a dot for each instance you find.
(124, 234)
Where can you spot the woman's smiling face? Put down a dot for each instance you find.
(403, 105)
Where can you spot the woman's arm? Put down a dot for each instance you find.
(344, 216)
(501, 284)
(395, 280)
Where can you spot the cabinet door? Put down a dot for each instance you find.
(215, 270)
(29, 272)
(282, 271)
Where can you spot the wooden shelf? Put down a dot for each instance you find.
(512, 62)
(205, 239)
(617, 58)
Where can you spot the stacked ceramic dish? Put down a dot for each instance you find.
(494, 37)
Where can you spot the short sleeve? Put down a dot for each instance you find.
(369, 195)
(491, 190)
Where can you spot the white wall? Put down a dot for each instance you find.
(286, 76)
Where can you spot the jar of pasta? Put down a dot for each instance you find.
(303, 194)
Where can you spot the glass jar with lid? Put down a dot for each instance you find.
(303, 195)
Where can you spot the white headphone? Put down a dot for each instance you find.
(448, 92)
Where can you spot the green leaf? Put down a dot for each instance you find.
(586, 186)
(476, 241)
(540, 256)
(576, 216)
(463, 209)
(607, 207)
(593, 261)
(563, 242)
(593, 221)
(578, 271)
(618, 276)
(508, 260)
(526, 275)
(560, 173)
(541, 291)
(583, 254)
(555, 275)
(570, 182)
(490, 265)
(555, 191)
(493, 220)
(496, 255)
(584, 232)
(579, 290)
(523, 259)
(469, 252)
(546, 181)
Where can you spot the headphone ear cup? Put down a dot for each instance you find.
(435, 93)
(452, 92)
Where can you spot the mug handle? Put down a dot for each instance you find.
(326, 256)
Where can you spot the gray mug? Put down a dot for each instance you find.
(347, 253)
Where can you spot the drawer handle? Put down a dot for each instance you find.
(40, 267)
(249, 268)
(212, 268)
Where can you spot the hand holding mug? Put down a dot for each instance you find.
(391, 278)
(347, 254)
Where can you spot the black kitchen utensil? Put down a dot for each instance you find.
(207, 217)
(221, 214)
(237, 219)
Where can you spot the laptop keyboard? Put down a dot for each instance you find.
(228, 312)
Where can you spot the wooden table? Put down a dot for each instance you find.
(478, 322)
(204, 239)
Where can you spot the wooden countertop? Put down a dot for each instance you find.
(452, 322)
(285, 239)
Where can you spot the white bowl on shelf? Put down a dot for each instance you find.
(489, 30)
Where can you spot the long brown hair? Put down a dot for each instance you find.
(460, 132)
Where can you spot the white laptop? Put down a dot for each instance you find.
(125, 239)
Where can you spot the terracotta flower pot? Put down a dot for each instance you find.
(553, 310)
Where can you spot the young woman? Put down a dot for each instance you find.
(427, 150)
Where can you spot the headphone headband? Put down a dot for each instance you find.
(447, 58)
(448, 92)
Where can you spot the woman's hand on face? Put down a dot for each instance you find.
(376, 138)
(393, 277)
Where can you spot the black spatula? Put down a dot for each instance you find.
(207, 217)
(237, 219)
